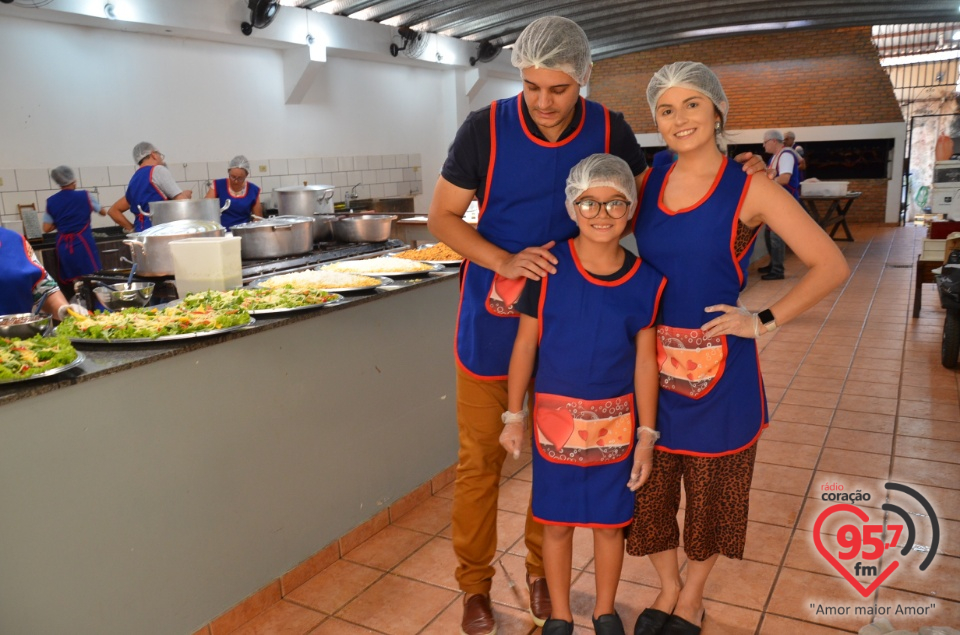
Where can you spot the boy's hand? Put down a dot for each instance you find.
(642, 466)
(512, 436)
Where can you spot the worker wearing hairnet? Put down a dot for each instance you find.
(587, 334)
(239, 198)
(68, 211)
(697, 223)
(25, 285)
(510, 156)
(151, 182)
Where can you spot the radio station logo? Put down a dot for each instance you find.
(861, 545)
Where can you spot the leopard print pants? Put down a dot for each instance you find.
(718, 499)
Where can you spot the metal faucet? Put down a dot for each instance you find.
(349, 197)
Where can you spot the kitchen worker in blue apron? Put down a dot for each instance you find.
(151, 182)
(242, 195)
(69, 211)
(24, 282)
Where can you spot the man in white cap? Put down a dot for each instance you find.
(151, 182)
(785, 164)
(514, 157)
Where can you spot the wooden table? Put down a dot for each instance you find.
(836, 214)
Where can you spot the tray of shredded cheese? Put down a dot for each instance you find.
(435, 254)
(329, 281)
(142, 326)
(36, 358)
(382, 266)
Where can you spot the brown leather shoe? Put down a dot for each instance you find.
(477, 616)
(540, 605)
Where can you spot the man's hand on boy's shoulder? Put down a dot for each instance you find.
(533, 263)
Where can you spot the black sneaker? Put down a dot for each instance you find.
(772, 276)
(764, 269)
(557, 627)
(609, 624)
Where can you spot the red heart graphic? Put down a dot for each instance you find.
(509, 289)
(556, 425)
(862, 515)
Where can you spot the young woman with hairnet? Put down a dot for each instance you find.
(588, 329)
(68, 211)
(243, 196)
(697, 223)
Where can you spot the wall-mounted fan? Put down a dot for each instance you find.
(487, 51)
(414, 42)
(262, 13)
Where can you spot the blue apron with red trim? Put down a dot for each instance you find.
(793, 186)
(18, 274)
(141, 191)
(241, 207)
(76, 249)
(711, 394)
(524, 206)
(584, 415)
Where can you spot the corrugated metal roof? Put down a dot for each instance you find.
(618, 27)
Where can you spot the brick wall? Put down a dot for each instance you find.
(806, 78)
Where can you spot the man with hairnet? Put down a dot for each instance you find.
(514, 156)
(151, 182)
(68, 211)
(785, 164)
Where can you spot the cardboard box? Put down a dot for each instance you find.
(933, 249)
(823, 188)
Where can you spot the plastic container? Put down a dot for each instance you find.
(824, 188)
(205, 264)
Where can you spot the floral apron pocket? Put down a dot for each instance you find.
(690, 364)
(504, 293)
(583, 432)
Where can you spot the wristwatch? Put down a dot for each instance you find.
(766, 318)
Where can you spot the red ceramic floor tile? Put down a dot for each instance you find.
(434, 563)
(515, 496)
(928, 428)
(785, 453)
(816, 384)
(335, 586)
(913, 610)
(774, 508)
(803, 414)
(766, 543)
(869, 389)
(860, 440)
(875, 375)
(429, 517)
(929, 449)
(776, 625)
(804, 433)
(810, 397)
(854, 463)
(781, 478)
(907, 470)
(727, 619)
(333, 626)
(283, 618)
(386, 549)
(859, 403)
(397, 606)
(510, 529)
(810, 597)
(927, 410)
(740, 582)
(870, 422)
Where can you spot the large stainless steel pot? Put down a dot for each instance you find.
(150, 249)
(186, 209)
(275, 237)
(306, 200)
(363, 228)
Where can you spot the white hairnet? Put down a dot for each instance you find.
(63, 175)
(556, 44)
(239, 161)
(601, 170)
(142, 150)
(691, 75)
(773, 134)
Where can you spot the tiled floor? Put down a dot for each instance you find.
(857, 396)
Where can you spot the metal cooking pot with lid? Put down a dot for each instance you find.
(275, 237)
(162, 212)
(150, 249)
(304, 200)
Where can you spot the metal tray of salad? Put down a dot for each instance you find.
(21, 360)
(263, 301)
(149, 325)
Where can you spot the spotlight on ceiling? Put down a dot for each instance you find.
(262, 13)
(110, 11)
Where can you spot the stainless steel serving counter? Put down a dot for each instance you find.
(162, 484)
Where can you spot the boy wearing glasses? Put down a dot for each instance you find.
(151, 182)
(591, 323)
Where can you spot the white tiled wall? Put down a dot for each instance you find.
(378, 176)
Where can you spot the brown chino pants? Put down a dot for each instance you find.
(477, 487)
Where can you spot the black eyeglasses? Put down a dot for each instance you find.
(590, 208)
